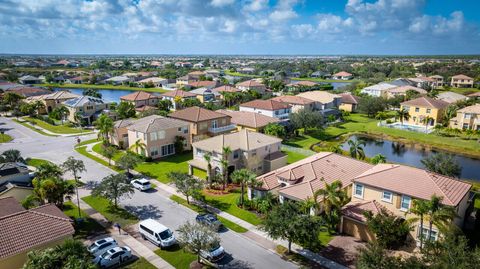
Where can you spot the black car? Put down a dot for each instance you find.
(209, 220)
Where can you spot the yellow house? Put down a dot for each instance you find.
(421, 108)
(51, 101)
(26, 230)
(349, 102)
(467, 118)
(394, 188)
(249, 120)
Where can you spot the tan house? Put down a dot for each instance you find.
(119, 135)
(296, 102)
(461, 81)
(140, 99)
(204, 123)
(438, 81)
(88, 107)
(25, 230)
(269, 108)
(395, 187)
(52, 101)
(402, 91)
(421, 108)
(325, 102)
(158, 134)
(300, 180)
(349, 102)
(219, 91)
(176, 96)
(467, 118)
(257, 152)
(251, 85)
(342, 75)
(249, 120)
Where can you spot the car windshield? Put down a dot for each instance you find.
(214, 248)
(145, 183)
(105, 255)
(165, 234)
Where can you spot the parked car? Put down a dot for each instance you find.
(209, 220)
(156, 233)
(114, 256)
(215, 254)
(141, 184)
(100, 246)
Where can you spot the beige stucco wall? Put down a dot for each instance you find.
(148, 102)
(347, 107)
(459, 120)
(17, 261)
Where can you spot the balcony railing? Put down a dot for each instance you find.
(222, 129)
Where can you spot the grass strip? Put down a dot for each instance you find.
(32, 128)
(83, 150)
(177, 256)
(116, 215)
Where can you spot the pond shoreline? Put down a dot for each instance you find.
(101, 87)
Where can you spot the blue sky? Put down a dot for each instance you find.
(240, 26)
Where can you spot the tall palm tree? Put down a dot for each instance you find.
(356, 149)
(208, 158)
(449, 113)
(332, 197)
(379, 158)
(336, 149)
(439, 214)
(427, 121)
(51, 190)
(104, 125)
(13, 155)
(226, 151)
(403, 115)
(245, 177)
(138, 146)
(420, 208)
(48, 170)
(75, 167)
(63, 112)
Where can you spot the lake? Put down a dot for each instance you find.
(412, 155)
(107, 95)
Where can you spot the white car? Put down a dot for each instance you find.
(141, 184)
(215, 254)
(114, 256)
(100, 246)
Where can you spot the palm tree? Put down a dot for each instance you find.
(138, 146)
(439, 214)
(48, 170)
(245, 177)
(104, 125)
(420, 208)
(13, 156)
(336, 149)
(63, 112)
(75, 167)
(403, 115)
(226, 151)
(333, 197)
(208, 158)
(379, 158)
(427, 121)
(78, 119)
(51, 190)
(356, 149)
(449, 113)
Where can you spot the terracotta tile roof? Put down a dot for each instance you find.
(123, 123)
(305, 83)
(342, 74)
(145, 108)
(138, 96)
(9, 205)
(180, 93)
(414, 182)
(349, 98)
(28, 91)
(226, 88)
(461, 76)
(425, 101)
(249, 119)
(293, 100)
(475, 109)
(205, 83)
(196, 114)
(355, 209)
(307, 174)
(50, 209)
(265, 104)
(436, 76)
(155, 123)
(250, 83)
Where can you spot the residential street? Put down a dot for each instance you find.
(243, 252)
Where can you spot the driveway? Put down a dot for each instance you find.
(343, 249)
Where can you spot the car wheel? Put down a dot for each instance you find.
(143, 237)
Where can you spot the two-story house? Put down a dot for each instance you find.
(438, 81)
(52, 100)
(249, 120)
(158, 134)
(257, 152)
(269, 108)
(421, 108)
(402, 91)
(251, 85)
(349, 102)
(141, 99)
(467, 118)
(395, 187)
(88, 107)
(461, 81)
(204, 123)
(177, 96)
(325, 102)
(296, 102)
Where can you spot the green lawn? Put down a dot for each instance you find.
(159, 169)
(361, 124)
(464, 91)
(228, 203)
(141, 263)
(83, 150)
(4, 138)
(87, 227)
(116, 215)
(32, 128)
(293, 156)
(58, 129)
(229, 224)
(86, 142)
(177, 257)
(107, 87)
(36, 162)
(98, 149)
(237, 74)
(200, 173)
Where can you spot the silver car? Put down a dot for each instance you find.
(100, 246)
(114, 256)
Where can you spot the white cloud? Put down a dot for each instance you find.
(256, 5)
(221, 3)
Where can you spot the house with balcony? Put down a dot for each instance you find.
(257, 152)
(421, 108)
(204, 123)
(269, 108)
(394, 188)
(438, 81)
(296, 102)
(177, 96)
(249, 120)
(467, 118)
(462, 81)
(158, 134)
(141, 99)
(87, 107)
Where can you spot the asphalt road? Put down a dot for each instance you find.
(242, 252)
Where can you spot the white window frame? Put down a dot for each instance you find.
(420, 232)
(387, 200)
(153, 136)
(161, 135)
(355, 190)
(409, 203)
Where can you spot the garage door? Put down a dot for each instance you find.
(357, 230)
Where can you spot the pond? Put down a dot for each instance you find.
(412, 155)
(107, 95)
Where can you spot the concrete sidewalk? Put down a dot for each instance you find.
(124, 237)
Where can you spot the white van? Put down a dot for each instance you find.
(156, 233)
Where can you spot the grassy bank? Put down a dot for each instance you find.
(101, 87)
(98, 148)
(36, 162)
(177, 257)
(86, 142)
(58, 129)
(85, 228)
(115, 215)
(4, 138)
(32, 128)
(83, 150)
(159, 169)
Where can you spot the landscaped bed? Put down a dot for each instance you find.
(36, 162)
(115, 215)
